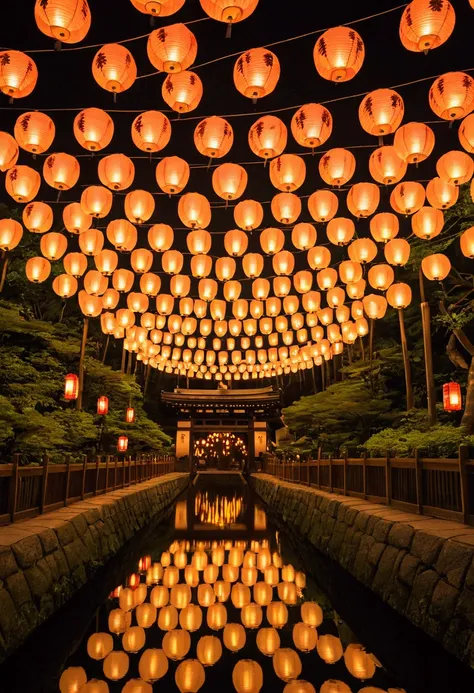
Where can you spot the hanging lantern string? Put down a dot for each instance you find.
(287, 40)
(96, 45)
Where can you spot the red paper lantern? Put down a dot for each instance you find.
(122, 444)
(103, 405)
(134, 579)
(452, 398)
(71, 386)
(144, 563)
(130, 415)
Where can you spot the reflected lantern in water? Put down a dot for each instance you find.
(190, 676)
(358, 662)
(234, 636)
(286, 664)
(247, 676)
(153, 665)
(72, 679)
(329, 648)
(116, 665)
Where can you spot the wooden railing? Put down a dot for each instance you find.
(443, 488)
(26, 491)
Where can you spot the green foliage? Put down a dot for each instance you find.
(34, 418)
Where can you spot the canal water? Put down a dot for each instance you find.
(218, 598)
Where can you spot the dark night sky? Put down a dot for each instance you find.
(65, 81)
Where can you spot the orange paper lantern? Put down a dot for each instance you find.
(338, 54)
(93, 129)
(172, 174)
(424, 25)
(268, 137)
(183, 91)
(114, 68)
(451, 95)
(311, 125)
(65, 20)
(256, 73)
(172, 48)
(151, 131)
(381, 112)
(34, 131)
(18, 74)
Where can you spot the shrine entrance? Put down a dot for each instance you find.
(223, 429)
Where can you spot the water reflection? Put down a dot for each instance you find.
(207, 612)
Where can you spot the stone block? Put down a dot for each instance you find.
(427, 547)
(80, 524)
(441, 610)
(7, 614)
(362, 569)
(408, 569)
(18, 589)
(361, 521)
(420, 598)
(350, 517)
(453, 561)
(401, 536)
(373, 519)
(381, 530)
(8, 565)
(66, 533)
(61, 562)
(385, 569)
(39, 579)
(27, 551)
(51, 561)
(49, 541)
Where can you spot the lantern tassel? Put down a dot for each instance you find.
(451, 124)
(209, 163)
(115, 97)
(380, 141)
(57, 45)
(254, 101)
(59, 196)
(228, 32)
(152, 21)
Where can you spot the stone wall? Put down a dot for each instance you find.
(45, 560)
(422, 567)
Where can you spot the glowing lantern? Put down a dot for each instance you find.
(455, 167)
(235, 242)
(268, 137)
(319, 257)
(153, 665)
(283, 262)
(34, 131)
(252, 265)
(190, 618)
(116, 665)
(172, 174)
(414, 142)
(229, 11)
(37, 269)
(287, 591)
(75, 264)
(176, 644)
(18, 74)
(467, 242)
(159, 596)
(440, 194)
(216, 613)
(64, 285)
(303, 236)
(272, 240)
(213, 137)
(277, 614)
(408, 197)
(381, 277)
(167, 618)
(268, 641)
(201, 266)
(146, 613)
(75, 219)
(334, 686)
(311, 614)
(162, 8)
(397, 252)
(338, 54)
(121, 233)
(91, 306)
(363, 199)
(303, 281)
(286, 207)
(180, 285)
(340, 231)
(247, 676)
(139, 206)
(11, 232)
(172, 261)
(424, 26)
(8, 151)
(358, 662)
(287, 664)
(194, 211)
(72, 679)
(189, 676)
(256, 73)
(96, 201)
(466, 133)
(248, 214)
(452, 95)
(116, 171)
(436, 267)
(132, 686)
(452, 398)
(151, 131)
(287, 172)
(61, 171)
(99, 645)
(141, 260)
(71, 386)
(22, 183)
(209, 650)
(329, 648)
(399, 295)
(362, 250)
(299, 686)
(64, 20)
(381, 112)
(337, 166)
(118, 621)
(53, 245)
(180, 596)
(133, 639)
(182, 91)
(234, 636)
(172, 48)
(93, 129)
(109, 301)
(125, 318)
(311, 125)
(199, 242)
(225, 268)
(229, 181)
(427, 222)
(386, 166)
(375, 306)
(384, 226)
(114, 68)
(160, 237)
(262, 593)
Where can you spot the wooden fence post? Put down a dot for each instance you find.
(319, 468)
(345, 472)
(419, 482)
(97, 477)
(330, 472)
(463, 459)
(68, 478)
(84, 472)
(388, 478)
(44, 483)
(115, 473)
(13, 490)
(364, 474)
(107, 462)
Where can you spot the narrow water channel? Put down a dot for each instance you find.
(217, 598)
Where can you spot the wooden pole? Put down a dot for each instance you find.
(147, 379)
(4, 271)
(362, 350)
(129, 363)
(106, 348)
(323, 378)
(314, 379)
(81, 364)
(426, 324)
(406, 360)
(371, 339)
(124, 356)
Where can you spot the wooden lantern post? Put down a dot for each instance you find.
(81, 363)
(426, 324)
